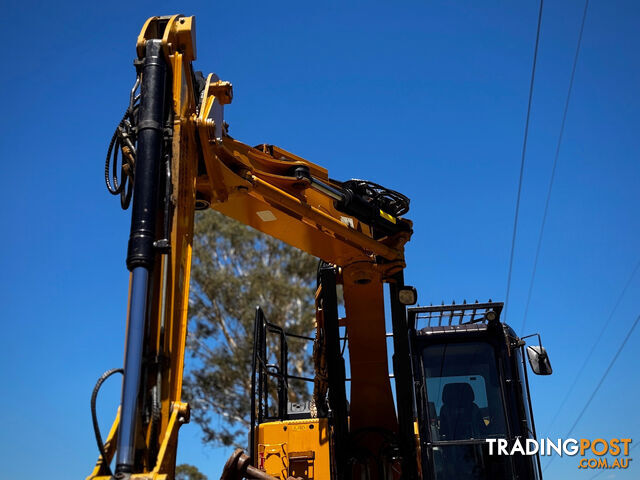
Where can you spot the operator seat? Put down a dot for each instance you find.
(460, 417)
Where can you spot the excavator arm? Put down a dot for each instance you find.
(178, 157)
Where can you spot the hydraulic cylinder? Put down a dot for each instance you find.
(141, 254)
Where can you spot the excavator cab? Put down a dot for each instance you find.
(471, 386)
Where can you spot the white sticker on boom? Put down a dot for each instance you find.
(266, 216)
(347, 221)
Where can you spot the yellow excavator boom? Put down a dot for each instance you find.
(184, 156)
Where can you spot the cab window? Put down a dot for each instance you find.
(464, 399)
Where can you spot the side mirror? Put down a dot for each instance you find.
(539, 360)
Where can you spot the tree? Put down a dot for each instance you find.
(189, 472)
(235, 269)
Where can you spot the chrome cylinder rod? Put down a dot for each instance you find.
(132, 370)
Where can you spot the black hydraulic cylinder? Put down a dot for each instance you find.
(140, 255)
(149, 153)
(404, 380)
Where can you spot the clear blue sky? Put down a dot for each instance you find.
(425, 97)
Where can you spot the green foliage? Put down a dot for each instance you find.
(189, 472)
(236, 268)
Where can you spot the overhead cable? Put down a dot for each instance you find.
(524, 154)
(602, 379)
(555, 163)
(595, 344)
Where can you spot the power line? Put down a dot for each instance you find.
(524, 153)
(602, 379)
(602, 471)
(555, 163)
(604, 376)
(595, 344)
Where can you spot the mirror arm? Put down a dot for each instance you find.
(533, 335)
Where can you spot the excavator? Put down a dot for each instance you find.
(459, 376)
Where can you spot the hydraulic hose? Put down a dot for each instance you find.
(94, 415)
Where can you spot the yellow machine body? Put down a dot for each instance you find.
(295, 448)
